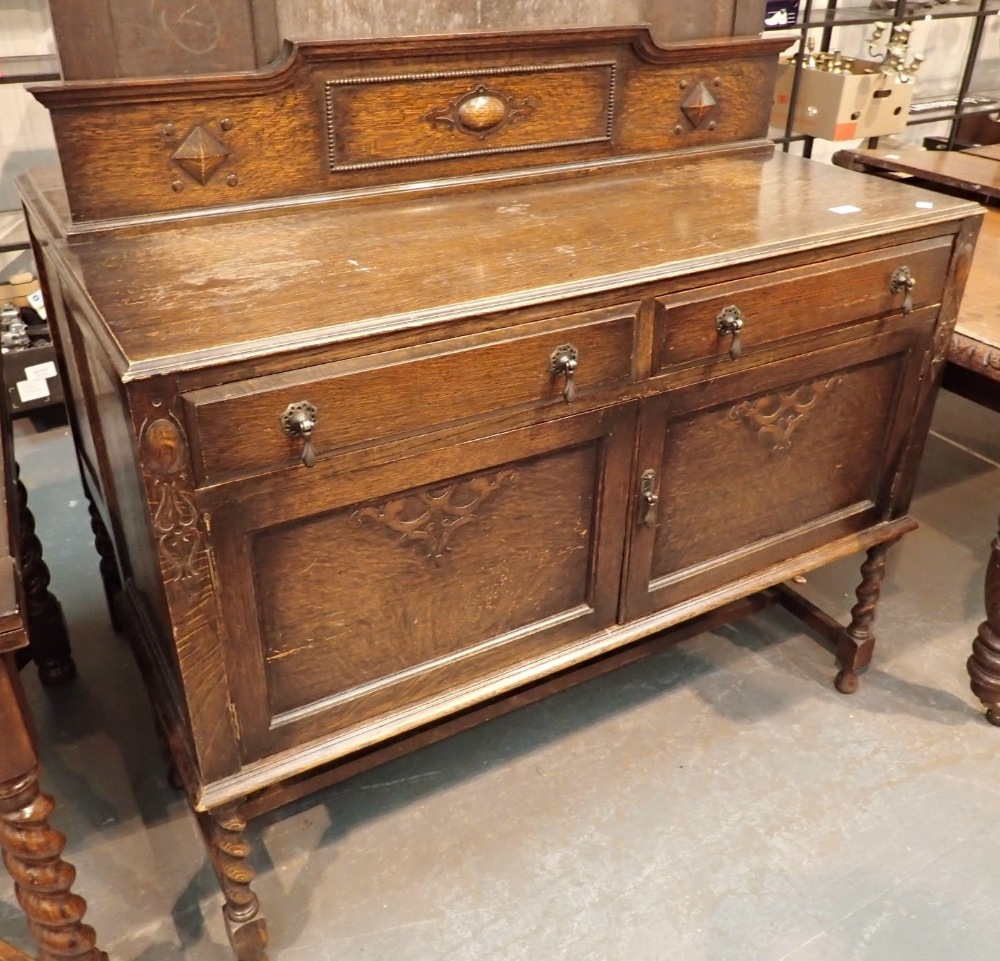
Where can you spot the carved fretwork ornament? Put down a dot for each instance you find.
(176, 520)
(482, 112)
(774, 417)
(428, 518)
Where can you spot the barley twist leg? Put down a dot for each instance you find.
(32, 853)
(230, 850)
(857, 642)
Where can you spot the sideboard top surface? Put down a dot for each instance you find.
(199, 294)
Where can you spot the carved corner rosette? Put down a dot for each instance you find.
(429, 518)
(177, 523)
(482, 112)
(775, 417)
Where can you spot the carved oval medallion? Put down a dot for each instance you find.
(483, 111)
(163, 447)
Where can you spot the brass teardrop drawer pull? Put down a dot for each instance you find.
(730, 320)
(299, 420)
(903, 281)
(562, 363)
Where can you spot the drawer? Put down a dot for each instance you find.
(237, 427)
(790, 303)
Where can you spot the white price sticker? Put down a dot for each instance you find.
(40, 371)
(29, 390)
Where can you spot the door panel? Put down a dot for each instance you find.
(417, 580)
(753, 468)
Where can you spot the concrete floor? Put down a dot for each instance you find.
(720, 801)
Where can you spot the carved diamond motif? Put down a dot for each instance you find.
(200, 155)
(698, 104)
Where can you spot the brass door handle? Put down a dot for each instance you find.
(299, 420)
(730, 320)
(648, 498)
(903, 281)
(562, 363)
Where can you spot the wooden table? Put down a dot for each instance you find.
(32, 849)
(973, 368)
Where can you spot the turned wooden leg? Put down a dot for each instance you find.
(229, 850)
(856, 642)
(49, 647)
(108, 564)
(984, 664)
(32, 849)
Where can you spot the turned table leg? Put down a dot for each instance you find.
(224, 832)
(32, 849)
(110, 577)
(984, 664)
(857, 642)
(49, 646)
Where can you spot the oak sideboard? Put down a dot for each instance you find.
(411, 379)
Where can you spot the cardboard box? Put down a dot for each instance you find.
(17, 290)
(843, 106)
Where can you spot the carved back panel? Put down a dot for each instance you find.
(366, 114)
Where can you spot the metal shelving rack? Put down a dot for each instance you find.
(834, 15)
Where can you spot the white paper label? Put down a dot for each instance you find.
(32, 390)
(40, 371)
(35, 300)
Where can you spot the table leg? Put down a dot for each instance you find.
(49, 648)
(32, 849)
(857, 642)
(984, 664)
(108, 564)
(247, 929)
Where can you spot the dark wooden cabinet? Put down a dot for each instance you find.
(751, 468)
(492, 359)
(364, 602)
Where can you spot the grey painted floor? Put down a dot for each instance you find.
(720, 801)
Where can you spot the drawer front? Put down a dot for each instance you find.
(790, 303)
(238, 427)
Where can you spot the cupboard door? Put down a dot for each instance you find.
(750, 469)
(366, 603)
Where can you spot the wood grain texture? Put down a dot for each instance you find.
(984, 663)
(275, 267)
(539, 557)
(238, 427)
(32, 848)
(332, 116)
(789, 427)
(465, 533)
(796, 302)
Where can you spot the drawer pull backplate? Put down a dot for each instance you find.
(299, 420)
(562, 362)
(730, 320)
(902, 280)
